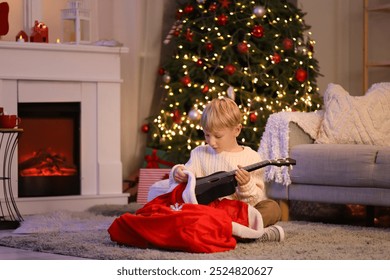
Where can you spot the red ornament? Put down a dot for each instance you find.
(213, 7)
(179, 14)
(200, 62)
(229, 69)
(301, 75)
(252, 117)
(311, 47)
(188, 9)
(222, 20)
(258, 31)
(176, 33)
(276, 58)
(224, 3)
(209, 46)
(288, 44)
(176, 116)
(242, 47)
(205, 88)
(186, 80)
(161, 71)
(189, 35)
(145, 128)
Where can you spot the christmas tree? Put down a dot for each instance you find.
(258, 53)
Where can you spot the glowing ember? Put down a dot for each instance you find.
(44, 163)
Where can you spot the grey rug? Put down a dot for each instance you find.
(84, 234)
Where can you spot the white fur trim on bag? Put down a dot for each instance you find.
(189, 192)
(255, 228)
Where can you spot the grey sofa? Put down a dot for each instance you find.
(334, 173)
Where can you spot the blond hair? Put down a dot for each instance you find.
(220, 113)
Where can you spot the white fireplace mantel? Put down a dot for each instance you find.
(39, 72)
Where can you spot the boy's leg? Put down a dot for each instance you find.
(270, 211)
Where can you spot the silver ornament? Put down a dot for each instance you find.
(259, 11)
(166, 78)
(230, 92)
(194, 115)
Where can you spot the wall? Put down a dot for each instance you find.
(337, 28)
(138, 24)
(379, 41)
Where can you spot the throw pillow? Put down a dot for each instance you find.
(356, 119)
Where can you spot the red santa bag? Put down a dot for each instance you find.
(170, 224)
(174, 221)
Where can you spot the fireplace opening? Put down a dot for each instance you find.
(49, 149)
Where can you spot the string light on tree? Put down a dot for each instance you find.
(258, 53)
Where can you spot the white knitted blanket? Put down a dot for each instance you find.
(275, 139)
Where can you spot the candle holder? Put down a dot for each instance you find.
(21, 37)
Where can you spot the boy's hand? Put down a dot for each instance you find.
(242, 176)
(179, 175)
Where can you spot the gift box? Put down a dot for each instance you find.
(147, 177)
(156, 159)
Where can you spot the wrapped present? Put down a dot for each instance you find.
(156, 159)
(147, 177)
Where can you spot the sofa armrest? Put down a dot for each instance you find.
(301, 127)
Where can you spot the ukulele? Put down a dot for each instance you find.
(223, 183)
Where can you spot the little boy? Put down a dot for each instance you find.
(221, 123)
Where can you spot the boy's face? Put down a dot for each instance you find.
(224, 139)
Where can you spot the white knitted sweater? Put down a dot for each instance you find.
(205, 161)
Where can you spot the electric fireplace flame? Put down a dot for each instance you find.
(46, 163)
(49, 149)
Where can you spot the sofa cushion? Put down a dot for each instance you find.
(334, 164)
(381, 173)
(356, 119)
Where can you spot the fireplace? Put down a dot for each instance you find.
(83, 83)
(49, 149)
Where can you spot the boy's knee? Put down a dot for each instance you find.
(270, 211)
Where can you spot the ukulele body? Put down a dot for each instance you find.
(223, 183)
(216, 185)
